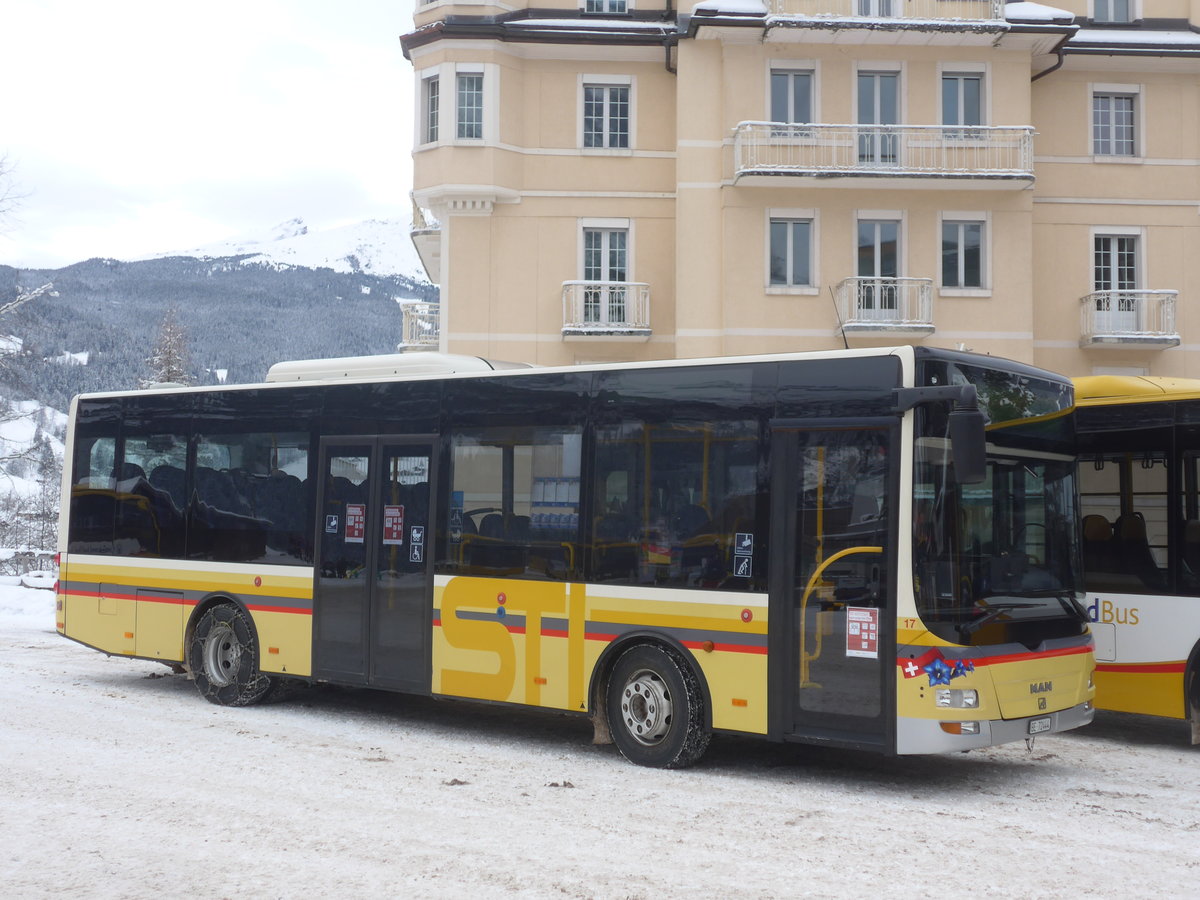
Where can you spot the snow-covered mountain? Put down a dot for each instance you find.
(373, 247)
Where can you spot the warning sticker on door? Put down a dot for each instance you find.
(862, 632)
(393, 525)
(356, 523)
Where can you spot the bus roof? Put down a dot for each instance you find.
(1103, 390)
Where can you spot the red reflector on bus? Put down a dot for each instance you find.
(129, 634)
(737, 701)
(272, 649)
(538, 679)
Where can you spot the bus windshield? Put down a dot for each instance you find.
(998, 561)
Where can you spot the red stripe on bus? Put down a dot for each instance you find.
(1022, 657)
(1171, 668)
(727, 648)
(299, 610)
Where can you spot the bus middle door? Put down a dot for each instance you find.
(832, 606)
(374, 586)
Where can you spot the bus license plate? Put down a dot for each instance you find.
(1037, 726)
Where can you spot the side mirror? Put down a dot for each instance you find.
(968, 444)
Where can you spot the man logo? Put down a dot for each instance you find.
(1041, 687)
(1041, 702)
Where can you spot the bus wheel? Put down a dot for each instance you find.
(656, 709)
(223, 657)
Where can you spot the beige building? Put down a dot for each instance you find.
(635, 179)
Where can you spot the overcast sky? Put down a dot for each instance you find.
(141, 126)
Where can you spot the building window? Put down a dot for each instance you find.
(962, 100)
(470, 105)
(605, 115)
(962, 254)
(606, 267)
(605, 6)
(1113, 11)
(1115, 276)
(429, 106)
(1115, 265)
(1113, 124)
(791, 252)
(875, 8)
(791, 96)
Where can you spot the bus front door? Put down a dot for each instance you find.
(373, 595)
(832, 512)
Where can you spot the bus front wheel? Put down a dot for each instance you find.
(223, 658)
(656, 708)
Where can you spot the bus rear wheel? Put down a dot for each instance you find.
(223, 658)
(656, 708)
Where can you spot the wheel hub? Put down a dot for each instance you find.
(222, 655)
(646, 707)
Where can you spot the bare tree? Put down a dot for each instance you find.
(169, 363)
(10, 197)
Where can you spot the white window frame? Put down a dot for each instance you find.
(881, 67)
(967, 217)
(1138, 232)
(1135, 12)
(606, 10)
(794, 66)
(983, 70)
(1139, 131)
(425, 134)
(608, 80)
(447, 76)
(606, 224)
(882, 215)
(812, 216)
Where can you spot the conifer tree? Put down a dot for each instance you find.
(169, 363)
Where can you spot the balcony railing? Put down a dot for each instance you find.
(1129, 319)
(948, 151)
(426, 236)
(886, 304)
(596, 308)
(420, 323)
(889, 9)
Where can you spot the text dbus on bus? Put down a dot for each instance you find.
(812, 547)
(1139, 480)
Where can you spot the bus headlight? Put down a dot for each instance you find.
(959, 699)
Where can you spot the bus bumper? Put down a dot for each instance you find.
(931, 736)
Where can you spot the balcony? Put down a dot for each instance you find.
(1128, 320)
(885, 306)
(606, 309)
(972, 10)
(420, 325)
(426, 236)
(953, 157)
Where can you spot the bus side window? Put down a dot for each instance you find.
(93, 500)
(514, 506)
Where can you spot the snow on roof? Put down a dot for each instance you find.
(590, 24)
(735, 7)
(1136, 36)
(1036, 12)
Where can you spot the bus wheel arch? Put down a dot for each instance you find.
(222, 653)
(650, 699)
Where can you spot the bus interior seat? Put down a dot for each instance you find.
(1133, 549)
(1097, 542)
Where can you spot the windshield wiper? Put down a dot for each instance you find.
(990, 613)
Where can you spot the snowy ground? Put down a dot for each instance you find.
(117, 780)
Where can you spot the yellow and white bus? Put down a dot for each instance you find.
(1139, 480)
(812, 547)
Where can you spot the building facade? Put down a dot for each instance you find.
(635, 179)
